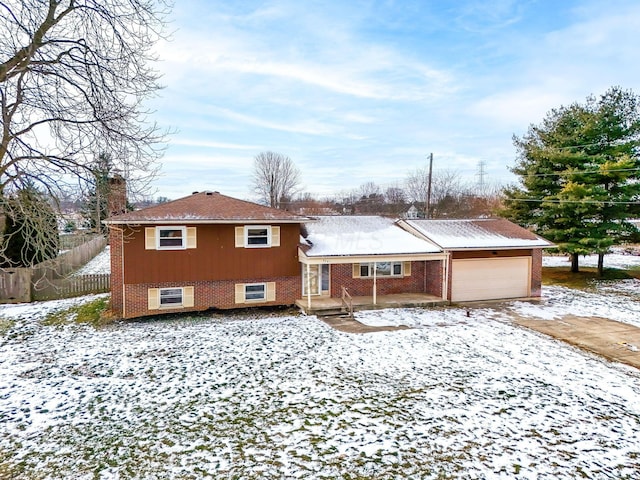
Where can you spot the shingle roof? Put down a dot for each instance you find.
(477, 233)
(207, 207)
(361, 235)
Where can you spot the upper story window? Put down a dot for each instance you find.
(171, 237)
(257, 236)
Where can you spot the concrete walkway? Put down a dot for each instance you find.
(616, 341)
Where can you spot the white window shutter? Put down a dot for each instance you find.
(239, 238)
(187, 297)
(407, 269)
(153, 297)
(150, 238)
(356, 270)
(239, 292)
(271, 291)
(275, 236)
(191, 237)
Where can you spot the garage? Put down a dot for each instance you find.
(490, 278)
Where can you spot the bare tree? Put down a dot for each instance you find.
(74, 76)
(445, 184)
(276, 179)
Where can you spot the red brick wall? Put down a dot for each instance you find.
(536, 272)
(115, 241)
(218, 294)
(426, 277)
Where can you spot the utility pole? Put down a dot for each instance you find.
(428, 209)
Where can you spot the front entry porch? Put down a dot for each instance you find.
(328, 306)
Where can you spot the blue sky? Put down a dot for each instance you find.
(356, 91)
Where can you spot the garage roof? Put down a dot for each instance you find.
(477, 233)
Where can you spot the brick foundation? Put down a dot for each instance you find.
(217, 294)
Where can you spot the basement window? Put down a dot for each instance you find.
(255, 291)
(171, 297)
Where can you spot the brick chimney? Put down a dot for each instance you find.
(117, 203)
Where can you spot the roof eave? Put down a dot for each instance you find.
(184, 221)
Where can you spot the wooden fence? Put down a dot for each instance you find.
(72, 287)
(51, 279)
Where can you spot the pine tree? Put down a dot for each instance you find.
(95, 207)
(579, 173)
(31, 229)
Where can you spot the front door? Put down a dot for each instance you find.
(316, 279)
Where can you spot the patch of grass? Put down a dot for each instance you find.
(93, 313)
(6, 325)
(583, 279)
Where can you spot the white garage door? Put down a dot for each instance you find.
(490, 278)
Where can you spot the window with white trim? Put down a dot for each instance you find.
(171, 297)
(383, 269)
(255, 292)
(171, 238)
(257, 236)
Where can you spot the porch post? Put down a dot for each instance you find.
(375, 285)
(445, 278)
(308, 287)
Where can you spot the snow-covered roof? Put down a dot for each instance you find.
(477, 233)
(361, 235)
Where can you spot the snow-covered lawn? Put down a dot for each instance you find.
(619, 258)
(101, 263)
(226, 396)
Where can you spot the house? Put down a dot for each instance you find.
(412, 212)
(203, 251)
(371, 257)
(208, 250)
(488, 259)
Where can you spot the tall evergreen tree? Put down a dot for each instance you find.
(95, 207)
(580, 175)
(31, 229)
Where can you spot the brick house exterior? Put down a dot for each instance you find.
(208, 250)
(200, 252)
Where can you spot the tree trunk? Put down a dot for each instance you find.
(574, 263)
(601, 264)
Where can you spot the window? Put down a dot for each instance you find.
(383, 269)
(171, 297)
(257, 237)
(255, 291)
(170, 238)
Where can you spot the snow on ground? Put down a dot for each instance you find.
(222, 396)
(619, 300)
(617, 259)
(101, 263)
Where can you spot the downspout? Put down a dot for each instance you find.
(375, 285)
(445, 279)
(124, 302)
(308, 287)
